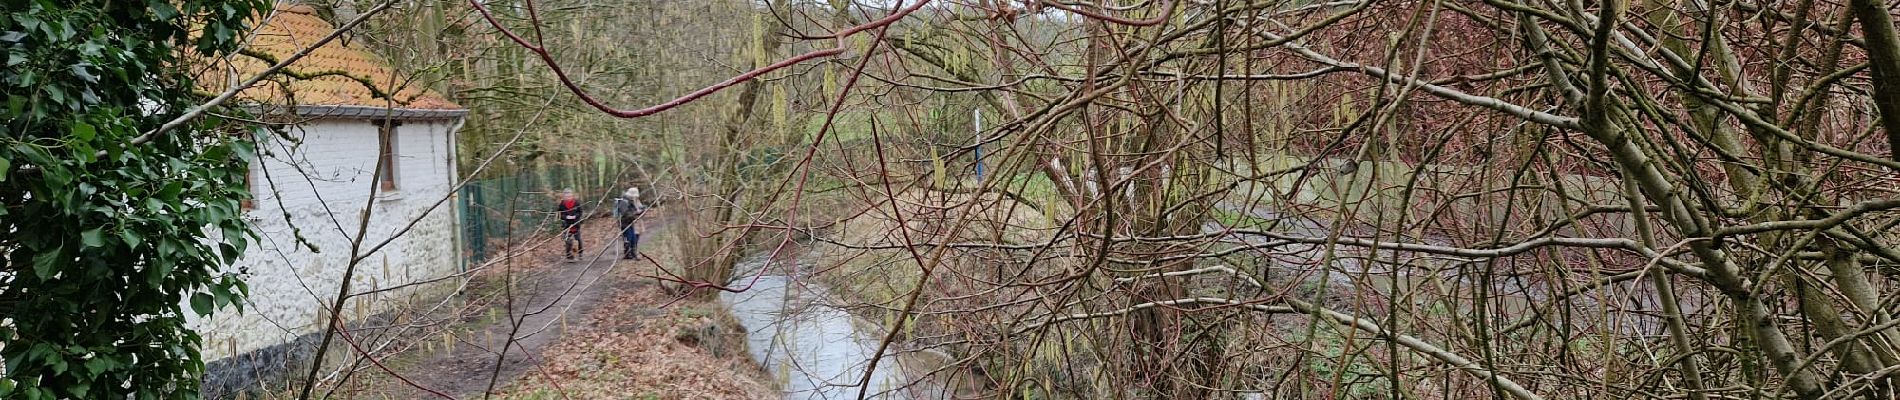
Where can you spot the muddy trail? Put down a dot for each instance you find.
(538, 317)
(550, 299)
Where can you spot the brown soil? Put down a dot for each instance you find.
(583, 329)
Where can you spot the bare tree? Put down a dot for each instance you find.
(1422, 199)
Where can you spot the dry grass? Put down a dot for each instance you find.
(883, 277)
(642, 344)
(685, 351)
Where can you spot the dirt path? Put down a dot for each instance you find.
(548, 304)
(583, 330)
(551, 297)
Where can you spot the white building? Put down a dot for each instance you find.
(312, 183)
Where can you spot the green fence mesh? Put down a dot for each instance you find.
(500, 210)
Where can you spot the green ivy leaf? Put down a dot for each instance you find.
(167, 247)
(46, 264)
(79, 71)
(94, 237)
(56, 93)
(222, 296)
(229, 252)
(201, 303)
(99, 365)
(33, 154)
(84, 131)
(27, 21)
(171, 190)
(163, 9)
(245, 151)
(77, 84)
(157, 273)
(130, 237)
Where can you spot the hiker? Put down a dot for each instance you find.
(628, 209)
(570, 210)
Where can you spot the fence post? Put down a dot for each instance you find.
(477, 222)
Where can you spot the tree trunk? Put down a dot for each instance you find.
(1883, 53)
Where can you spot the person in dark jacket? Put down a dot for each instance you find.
(569, 209)
(627, 210)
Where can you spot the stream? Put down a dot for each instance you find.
(814, 350)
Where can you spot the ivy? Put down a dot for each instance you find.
(99, 255)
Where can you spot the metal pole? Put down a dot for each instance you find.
(977, 116)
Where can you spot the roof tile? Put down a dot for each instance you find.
(336, 74)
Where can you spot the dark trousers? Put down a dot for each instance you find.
(630, 238)
(571, 239)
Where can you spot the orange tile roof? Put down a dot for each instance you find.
(336, 74)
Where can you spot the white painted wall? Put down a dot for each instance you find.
(323, 181)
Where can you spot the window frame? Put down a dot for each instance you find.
(257, 135)
(387, 175)
(250, 186)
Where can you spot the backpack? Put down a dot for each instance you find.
(626, 210)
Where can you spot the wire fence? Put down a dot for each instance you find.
(500, 210)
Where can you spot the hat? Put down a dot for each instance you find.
(632, 193)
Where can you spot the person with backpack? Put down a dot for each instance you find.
(627, 210)
(569, 209)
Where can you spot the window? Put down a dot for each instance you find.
(386, 161)
(250, 185)
(257, 135)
